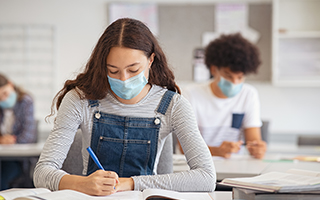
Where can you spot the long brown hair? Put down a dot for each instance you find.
(4, 81)
(125, 32)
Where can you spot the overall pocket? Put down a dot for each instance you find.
(117, 155)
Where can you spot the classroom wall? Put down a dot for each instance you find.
(79, 23)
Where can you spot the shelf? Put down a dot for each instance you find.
(300, 34)
(296, 43)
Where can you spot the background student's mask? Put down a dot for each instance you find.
(228, 88)
(10, 101)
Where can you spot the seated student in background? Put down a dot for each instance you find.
(16, 125)
(226, 106)
(126, 104)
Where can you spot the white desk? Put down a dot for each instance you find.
(236, 166)
(246, 166)
(221, 195)
(20, 152)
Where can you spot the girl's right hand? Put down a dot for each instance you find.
(99, 183)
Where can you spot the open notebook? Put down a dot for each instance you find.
(294, 180)
(148, 194)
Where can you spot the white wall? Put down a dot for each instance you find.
(79, 24)
(291, 110)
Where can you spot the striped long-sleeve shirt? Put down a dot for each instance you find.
(179, 119)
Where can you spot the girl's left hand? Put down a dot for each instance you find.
(125, 184)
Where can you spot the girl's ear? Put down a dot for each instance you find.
(151, 59)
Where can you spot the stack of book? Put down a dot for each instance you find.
(294, 184)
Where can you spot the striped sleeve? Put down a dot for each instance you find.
(47, 171)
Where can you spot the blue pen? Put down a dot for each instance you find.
(94, 158)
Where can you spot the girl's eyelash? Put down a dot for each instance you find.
(113, 72)
(134, 71)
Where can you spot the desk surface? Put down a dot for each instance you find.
(236, 166)
(221, 195)
(246, 166)
(21, 150)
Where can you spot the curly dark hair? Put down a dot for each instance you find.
(233, 51)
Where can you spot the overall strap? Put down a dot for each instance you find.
(165, 102)
(93, 103)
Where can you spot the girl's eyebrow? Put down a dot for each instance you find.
(131, 65)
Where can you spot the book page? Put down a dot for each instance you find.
(74, 195)
(30, 194)
(125, 195)
(304, 172)
(20, 192)
(148, 193)
(57, 195)
(274, 180)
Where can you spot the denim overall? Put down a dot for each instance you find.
(126, 145)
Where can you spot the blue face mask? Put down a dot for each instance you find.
(228, 88)
(129, 88)
(10, 101)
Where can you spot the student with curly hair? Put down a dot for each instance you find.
(226, 107)
(126, 104)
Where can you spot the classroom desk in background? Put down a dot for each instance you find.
(20, 152)
(236, 166)
(245, 166)
(293, 149)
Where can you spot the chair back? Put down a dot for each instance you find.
(73, 163)
(309, 140)
(265, 131)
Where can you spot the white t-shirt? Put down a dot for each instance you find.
(223, 119)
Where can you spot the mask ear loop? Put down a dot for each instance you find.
(149, 73)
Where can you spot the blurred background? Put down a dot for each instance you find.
(45, 42)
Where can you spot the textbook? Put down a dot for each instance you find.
(147, 194)
(292, 181)
(239, 193)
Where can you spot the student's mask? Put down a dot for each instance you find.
(129, 88)
(228, 88)
(10, 101)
